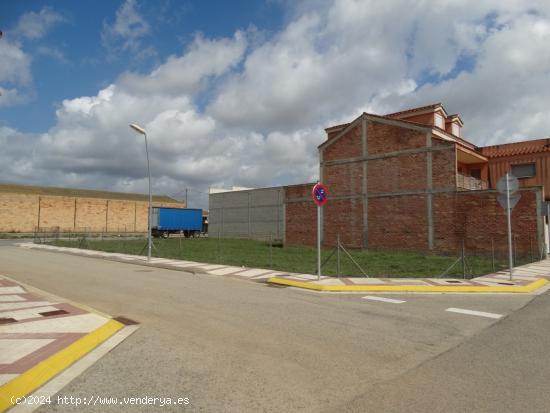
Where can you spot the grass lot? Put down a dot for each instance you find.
(258, 254)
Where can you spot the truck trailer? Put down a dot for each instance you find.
(184, 221)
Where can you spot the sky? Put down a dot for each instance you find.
(239, 93)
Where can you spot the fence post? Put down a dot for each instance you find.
(531, 248)
(338, 256)
(463, 261)
(515, 251)
(270, 251)
(219, 247)
(493, 253)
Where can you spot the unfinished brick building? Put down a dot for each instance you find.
(406, 181)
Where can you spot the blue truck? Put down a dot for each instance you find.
(186, 221)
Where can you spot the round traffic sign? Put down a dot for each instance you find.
(507, 181)
(319, 194)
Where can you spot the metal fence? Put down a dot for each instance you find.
(264, 250)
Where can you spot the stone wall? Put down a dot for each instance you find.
(27, 213)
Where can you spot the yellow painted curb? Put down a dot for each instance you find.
(45, 370)
(535, 285)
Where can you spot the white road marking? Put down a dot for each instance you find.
(12, 350)
(472, 312)
(252, 273)
(386, 300)
(225, 271)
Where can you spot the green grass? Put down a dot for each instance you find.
(258, 254)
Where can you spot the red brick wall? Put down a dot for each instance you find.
(347, 146)
(300, 216)
(397, 174)
(383, 138)
(344, 217)
(426, 119)
(344, 179)
(444, 168)
(398, 223)
(477, 218)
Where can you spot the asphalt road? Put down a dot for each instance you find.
(237, 346)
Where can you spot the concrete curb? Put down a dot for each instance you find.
(47, 369)
(529, 288)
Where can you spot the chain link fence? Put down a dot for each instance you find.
(266, 250)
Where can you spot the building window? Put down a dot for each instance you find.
(439, 121)
(475, 173)
(455, 129)
(526, 170)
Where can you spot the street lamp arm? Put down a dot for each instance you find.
(142, 131)
(138, 128)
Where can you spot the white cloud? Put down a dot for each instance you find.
(185, 74)
(236, 111)
(53, 52)
(35, 25)
(127, 31)
(14, 64)
(16, 79)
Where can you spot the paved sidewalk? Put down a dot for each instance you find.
(252, 274)
(524, 281)
(41, 336)
(527, 278)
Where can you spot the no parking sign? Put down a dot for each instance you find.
(319, 194)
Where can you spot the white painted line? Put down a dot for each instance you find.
(252, 273)
(8, 298)
(472, 312)
(212, 267)
(12, 290)
(386, 300)
(225, 271)
(12, 350)
(4, 378)
(24, 304)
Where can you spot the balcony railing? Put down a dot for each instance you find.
(470, 183)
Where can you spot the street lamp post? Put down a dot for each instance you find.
(142, 131)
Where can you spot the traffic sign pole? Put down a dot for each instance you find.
(319, 195)
(509, 218)
(318, 242)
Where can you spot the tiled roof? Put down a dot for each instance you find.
(402, 112)
(517, 148)
(423, 125)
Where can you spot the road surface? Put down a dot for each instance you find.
(237, 346)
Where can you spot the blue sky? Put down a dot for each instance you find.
(84, 65)
(238, 93)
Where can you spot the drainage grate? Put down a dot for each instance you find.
(506, 283)
(7, 320)
(56, 312)
(125, 321)
(454, 281)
